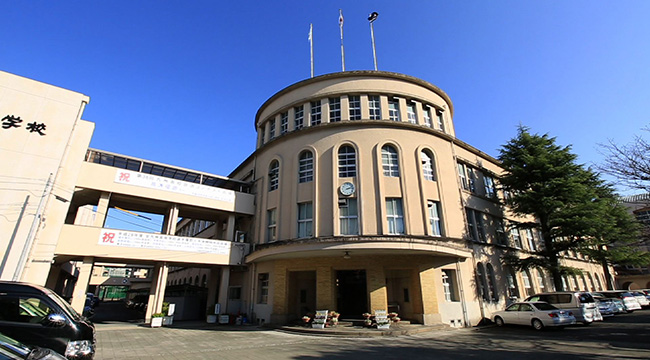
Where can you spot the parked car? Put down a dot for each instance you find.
(13, 349)
(629, 301)
(536, 314)
(580, 303)
(138, 302)
(37, 316)
(641, 298)
(606, 306)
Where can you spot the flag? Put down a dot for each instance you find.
(341, 21)
(372, 17)
(310, 32)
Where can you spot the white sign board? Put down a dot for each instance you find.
(121, 238)
(155, 182)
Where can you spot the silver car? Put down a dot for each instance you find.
(641, 298)
(536, 314)
(606, 306)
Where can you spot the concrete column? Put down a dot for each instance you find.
(430, 311)
(230, 228)
(79, 292)
(279, 291)
(345, 108)
(223, 288)
(325, 294)
(171, 219)
(102, 209)
(157, 290)
(377, 294)
(213, 283)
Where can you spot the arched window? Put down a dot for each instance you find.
(541, 280)
(480, 279)
(600, 287)
(591, 282)
(513, 289)
(306, 167)
(527, 284)
(204, 281)
(274, 175)
(427, 165)
(389, 161)
(347, 161)
(492, 283)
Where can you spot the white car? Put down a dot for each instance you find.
(641, 298)
(536, 314)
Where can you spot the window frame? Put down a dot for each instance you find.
(351, 220)
(426, 160)
(284, 122)
(316, 114)
(305, 220)
(435, 219)
(274, 175)
(390, 161)
(395, 216)
(335, 109)
(393, 110)
(374, 107)
(298, 117)
(271, 225)
(354, 107)
(349, 167)
(305, 166)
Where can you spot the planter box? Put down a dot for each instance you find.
(156, 322)
(167, 320)
(211, 319)
(383, 327)
(318, 326)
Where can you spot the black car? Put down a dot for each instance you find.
(11, 349)
(37, 316)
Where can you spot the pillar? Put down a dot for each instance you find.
(223, 289)
(213, 283)
(157, 290)
(171, 219)
(428, 294)
(325, 295)
(377, 294)
(79, 292)
(230, 228)
(102, 209)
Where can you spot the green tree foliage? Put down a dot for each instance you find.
(571, 204)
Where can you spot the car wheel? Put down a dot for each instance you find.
(537, 324)
(499, 321)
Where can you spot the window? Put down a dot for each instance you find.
(600, 287)
(335, 109)
(511, 280)
(427, 116)
(271, 232)
(488, 182)
(584, 282)
(441, 120)
(471, 178)
(448, 287)
(427, 165)
(541, 281)
(395, 216)
(389, 161)
(263, 288)
(234, 293)
(315, 113)
(299, 116)
(305, 220)
(349, 217)
(263, 133)
(410, 113)
(434, 218)
(462, 175)
(355, 107)
(347, 161)
(492, 283)
(284, 122)
(530, 240)
(475, 225)
(500, 234)
(482, 284)
(374, 107)
(274, 175)
(516, 238)
(24, 309)
(393, 110)
(271, 128)
(527, 284)
(306, 167)
(591, 282)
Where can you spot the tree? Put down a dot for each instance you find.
(544, 182)
(629, 163)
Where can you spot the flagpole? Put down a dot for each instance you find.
(311, 47)
(342, 51)
(372, 19)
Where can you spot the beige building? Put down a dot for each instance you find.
(636, 277)
(358, 197)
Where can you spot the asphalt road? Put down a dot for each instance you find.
(624, 336)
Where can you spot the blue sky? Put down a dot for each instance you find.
(180, 82)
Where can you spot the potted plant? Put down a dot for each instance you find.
(383, 324)
(157, 319)
(320, 319)
(306, 319)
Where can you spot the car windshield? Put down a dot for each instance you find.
(545, 306)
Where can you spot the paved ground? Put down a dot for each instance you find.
(622, 337)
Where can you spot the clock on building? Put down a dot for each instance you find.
(347, 188)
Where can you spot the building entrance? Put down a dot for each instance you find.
(351, 293)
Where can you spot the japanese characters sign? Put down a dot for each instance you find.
(121, 238)
(173, 185)
(11, 122)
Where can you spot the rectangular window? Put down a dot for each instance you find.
(531, 240)
(490, 189)
(410, 112)
(462, 174)
(299, 116)
(234, 293)
(471, 179)
(271, 128)
(435, 225)
(315, 113)
(263, 288)
(284, 122)
(500, 230)
(374, 107)
(335, 109)
(448, 285)
(427, 116)
(271, 225)
(516, 238)
(441, 120)
(349, 217)
(393, 110)
(355, 107)
(395, 216)
(305, 220)
(475, 225)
